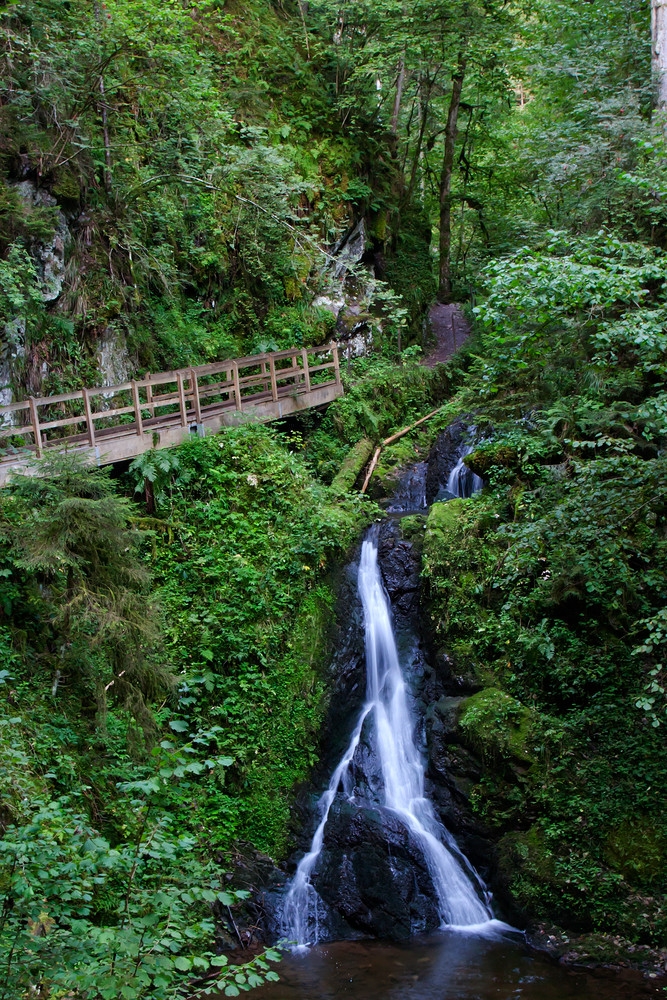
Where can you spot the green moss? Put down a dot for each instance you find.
(412, 527)
(393, 460)
(525, 853)
(67, 185)
(444, 525)
(550, 880)
(290, 732)
(636, 849)
(498, 725)
(483, 459)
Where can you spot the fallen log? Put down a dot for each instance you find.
(353, 463)
(371, 468)
(390, 440)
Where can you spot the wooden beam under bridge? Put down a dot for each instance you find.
(114, 423)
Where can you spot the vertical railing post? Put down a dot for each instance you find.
(37, 434)
(88, 410)
(274, 384)
(237, 386)
(306, 371)
(137, 407)
(264, 372)
(149, 396)
(334, 348)
(181, 399)
(295, 370)
(195, 395)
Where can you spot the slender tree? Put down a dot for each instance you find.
(451, 129)
(659, 50)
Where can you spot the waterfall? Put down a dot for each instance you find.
(462, 481)
(300, 911)
(457, 886)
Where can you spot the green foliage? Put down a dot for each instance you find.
(19, 294)
(198, 157)
(113, 833)
(70, 545)
(550, 586)
(655, 697)
(247, 617)
(101, 922)
(155, 473)
(203, 156)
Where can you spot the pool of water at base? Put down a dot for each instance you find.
(444, 966)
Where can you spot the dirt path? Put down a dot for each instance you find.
(451, 330)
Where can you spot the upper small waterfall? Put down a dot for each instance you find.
(458, 889)
(462, 481)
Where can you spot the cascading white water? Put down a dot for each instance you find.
(462, 481)
(299, 917)
(403, 778)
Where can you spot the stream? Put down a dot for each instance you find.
(381, 862)
(443, 966)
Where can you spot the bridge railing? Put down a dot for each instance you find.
(185, 396)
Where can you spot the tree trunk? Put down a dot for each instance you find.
(103, 110)
(659, 50)
(445, 282)
(107, 144)
(400, 82)
(425, 87)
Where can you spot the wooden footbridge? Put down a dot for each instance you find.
(112, 423)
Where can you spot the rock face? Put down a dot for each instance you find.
(13, 348)
(48, 256)
(113, 359)
(373, 879)
(444, 454)
(349, 293)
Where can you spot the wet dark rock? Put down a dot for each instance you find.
(400, 569)
(455, 678)
(254, 921)
(443, 456)
(373, 875)
(410, 490)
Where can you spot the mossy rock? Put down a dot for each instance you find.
(527, 871)
(526, 850)
(348, 322)
(412, 527)
(394, 460)
(67, 186)
(471, 673)
(483, 459)
(637, 849)
(444, 524)
(497, 725)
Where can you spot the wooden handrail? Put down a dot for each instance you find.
(276, 375)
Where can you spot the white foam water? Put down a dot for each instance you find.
(462, 481)
(460, 894)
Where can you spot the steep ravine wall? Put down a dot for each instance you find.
(473, 735)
